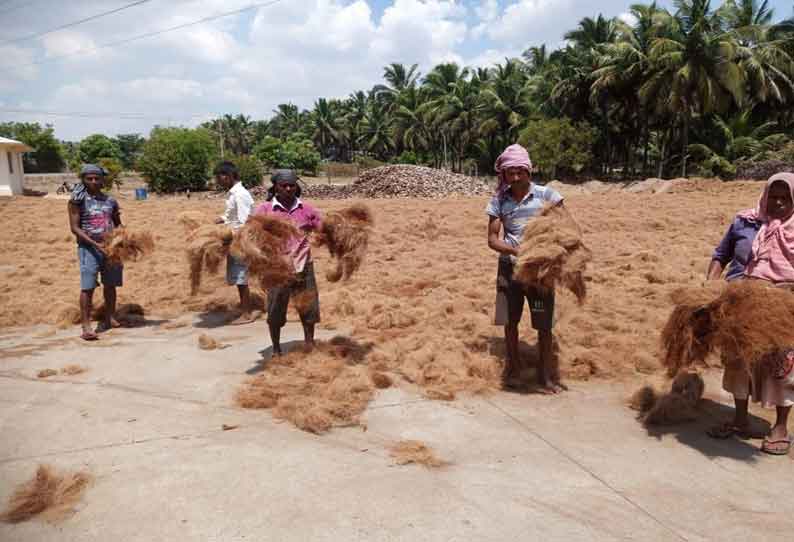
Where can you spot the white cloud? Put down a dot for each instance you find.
(77, 46)
(423, 32)
(161, 89)
(526, 20)
(628, 18)
(489, 57)
(15, 67)
(293, 51)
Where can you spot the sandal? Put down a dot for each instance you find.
(776, 447)
(726, 430)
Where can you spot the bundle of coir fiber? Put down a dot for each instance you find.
(745, 321)
(680, 405)
(329, 386)
(190, 220)
(262, 243)
(552, 253)
(49, 492)
(122, 245)
(207, 247)
(346, 234)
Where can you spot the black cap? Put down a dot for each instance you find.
(284, 176)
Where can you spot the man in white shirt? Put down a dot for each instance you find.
(238, 206)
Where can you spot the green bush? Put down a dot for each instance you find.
(406, 157)
(293, 153)
(251, 171)
(130, 148)
(47, 155)
(367, 162)
(113, 168)
(715, 166)
(176, 158)
(97, 146)
(558, 143)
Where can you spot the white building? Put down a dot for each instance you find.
(11, 173)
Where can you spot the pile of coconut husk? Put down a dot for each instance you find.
(122, 245)
(263, 245)
(745, 321)
(678, 406)
(49, 493)
(403, 181)
(346, 234)
(552, 253)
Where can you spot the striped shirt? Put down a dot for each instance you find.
(515, 215)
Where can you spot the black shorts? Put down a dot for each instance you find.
(510, 296)
(302, 291)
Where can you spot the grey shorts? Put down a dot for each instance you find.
(303, 292)
(236, 271)
(510, 296)
(92, 263)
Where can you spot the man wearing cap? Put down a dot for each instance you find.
(283, 200)
(238, 206)
(92, 215)
(516, 201)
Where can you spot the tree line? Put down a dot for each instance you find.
(700, 89)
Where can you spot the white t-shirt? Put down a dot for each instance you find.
(238, 206)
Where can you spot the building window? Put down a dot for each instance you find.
(10, 162)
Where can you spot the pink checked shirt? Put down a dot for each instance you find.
(305, 217)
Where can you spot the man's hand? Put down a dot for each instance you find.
(219, 220)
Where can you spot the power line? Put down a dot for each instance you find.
(74, 23)
(103, 115)
(149, 34)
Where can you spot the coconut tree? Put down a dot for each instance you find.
(695, 70)
(376, 131)
(325, 118)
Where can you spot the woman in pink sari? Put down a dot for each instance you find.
(771, 258)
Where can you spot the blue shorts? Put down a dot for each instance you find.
(236, 271)
(92, 262)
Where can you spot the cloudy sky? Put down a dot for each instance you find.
(288, 51)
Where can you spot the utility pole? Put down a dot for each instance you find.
(220, 134)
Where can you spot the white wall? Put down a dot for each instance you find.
(10, 183)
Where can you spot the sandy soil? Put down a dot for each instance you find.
(427, 288)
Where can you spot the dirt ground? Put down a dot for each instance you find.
(427, 287)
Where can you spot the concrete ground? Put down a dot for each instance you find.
(146, 420)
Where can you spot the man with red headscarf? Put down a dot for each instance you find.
(516, 201)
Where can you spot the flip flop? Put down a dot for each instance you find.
(89, 336)
(726, 430)
(768, 446)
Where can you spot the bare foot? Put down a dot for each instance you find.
(244, 318)
(560, 387)
(548, 389)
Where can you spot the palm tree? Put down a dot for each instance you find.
(505, 105)
(288, 120)
(326, 122)
(376, 134)
(733, 139)
(695, 68)
(592, 32)
(622, 67)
